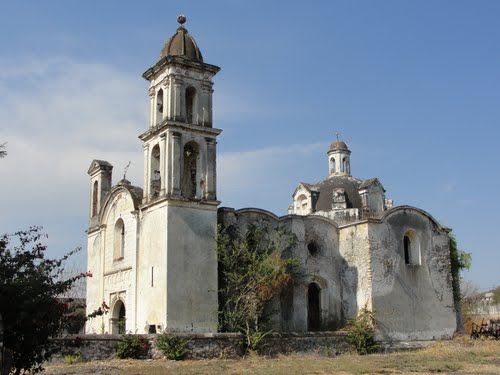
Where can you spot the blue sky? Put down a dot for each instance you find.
(412, 86)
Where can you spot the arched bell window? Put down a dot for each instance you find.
(332, 165)
(159, 106)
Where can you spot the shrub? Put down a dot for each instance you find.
(132, 347)
(69, 359)
(361, 333)
(173, 347)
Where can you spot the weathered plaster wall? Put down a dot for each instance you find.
(94, 283)
(411, 302)
(151, 269)
(356, 272)
(192, 300)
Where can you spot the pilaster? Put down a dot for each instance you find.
(146, 172)
(175, 165)
(163, 168)
(211, 169)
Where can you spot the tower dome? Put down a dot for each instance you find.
(338, 146)
(182, 44)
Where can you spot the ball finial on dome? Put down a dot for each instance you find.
(181, 19)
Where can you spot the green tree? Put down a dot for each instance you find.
(252, 271)
(30, 285)
(3, 152)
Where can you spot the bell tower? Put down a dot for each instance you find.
(179, 147)
(179, 206)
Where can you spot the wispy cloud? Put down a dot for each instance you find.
(448, 187)
(58, 114)
(249, 169)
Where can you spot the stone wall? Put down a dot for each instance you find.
(203, 346)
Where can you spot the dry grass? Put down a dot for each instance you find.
(461, 356)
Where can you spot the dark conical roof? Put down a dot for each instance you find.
(182, 44)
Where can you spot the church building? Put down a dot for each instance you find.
(152, 250)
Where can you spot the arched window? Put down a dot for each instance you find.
(344, 165)
(313, 307)
(159, 106)
(332, 165)
(189, 175)
(95, 190)
(155, 176)
(411, 248)
(190, 96)
(119, 240)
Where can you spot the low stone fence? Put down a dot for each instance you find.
(213, 345)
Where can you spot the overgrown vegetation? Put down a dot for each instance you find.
(30, 285)
(70, 359)
(132, 346)
(460, 260)
(173, 347)
(252, 271)
(361, 332)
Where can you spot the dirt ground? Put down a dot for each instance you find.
(461, 356)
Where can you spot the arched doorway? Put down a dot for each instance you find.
(118, 318)
(313, 307)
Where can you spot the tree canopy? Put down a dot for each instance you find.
(30, 285)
